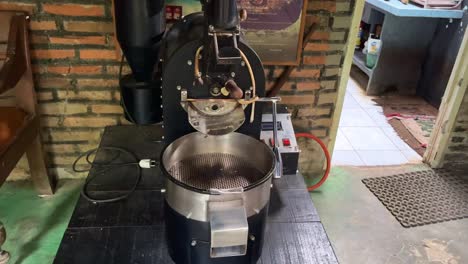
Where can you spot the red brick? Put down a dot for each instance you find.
(107, 109)
(50, 121)
(88, 26)
(308, 86)
(42, 25)
(321, 122)
(286, 86)
(322, 20)
(317, 47)
(315, 60)
(114, 70)
(52, 54)
(327, 98)
(88, 70)
(39, 39)
(28, 8)
(65, 136)
(98, 54)
(58, 83)
(298, 99)
(62, 108)
(45, 96)
(306, 73)
(73, 9)
(314, 111)
(89, 121)
(322, 5)
(85, 95)
(76, 40)
(319, 132)
(97, 83)
(320, 35)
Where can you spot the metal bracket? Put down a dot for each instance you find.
(226, 60)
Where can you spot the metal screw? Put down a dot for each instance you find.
(189, 62)
(252, 237)
(194, 243)
(243, 63)
(233, 74)
(179, 87)
(163, 190)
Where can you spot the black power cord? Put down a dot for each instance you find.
(103, 167)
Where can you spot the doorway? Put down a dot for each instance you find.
(381, 130)
(380, 125)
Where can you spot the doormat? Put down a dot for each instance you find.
(423, 197)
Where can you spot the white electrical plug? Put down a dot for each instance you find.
(147, 163)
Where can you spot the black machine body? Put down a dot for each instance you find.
(188, 240)
(181, 44)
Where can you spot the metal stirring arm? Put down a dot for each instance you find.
(279, 162)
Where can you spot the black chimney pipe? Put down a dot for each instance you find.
(221, 14)
(140, 26)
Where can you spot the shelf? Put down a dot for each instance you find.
(359, 59)
(397, 8)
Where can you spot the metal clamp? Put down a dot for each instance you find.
(279, 161)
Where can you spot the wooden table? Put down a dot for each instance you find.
(132, 231)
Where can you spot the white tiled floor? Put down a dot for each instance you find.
(365, 138)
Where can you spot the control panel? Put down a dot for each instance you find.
(286, 139)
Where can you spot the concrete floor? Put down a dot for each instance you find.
(35, 225)
(363, 231)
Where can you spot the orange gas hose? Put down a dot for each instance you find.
(327, 155)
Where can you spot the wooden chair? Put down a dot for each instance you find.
(19, 123)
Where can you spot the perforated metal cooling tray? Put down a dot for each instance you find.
(216, 171)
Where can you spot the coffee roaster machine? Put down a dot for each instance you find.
(207, 86)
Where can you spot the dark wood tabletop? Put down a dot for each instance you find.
(132, 230)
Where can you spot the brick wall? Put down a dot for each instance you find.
(457, 154)
(76, 73)
(311, 92)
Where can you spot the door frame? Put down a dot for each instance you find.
(451, 101)
(345, 72)
(448, 111)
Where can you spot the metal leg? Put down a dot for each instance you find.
(4, 255)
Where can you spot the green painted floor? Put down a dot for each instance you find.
(35, 225)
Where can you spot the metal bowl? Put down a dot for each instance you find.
(217, 163)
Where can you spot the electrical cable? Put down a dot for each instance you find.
(103, 167)
(327, 155)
